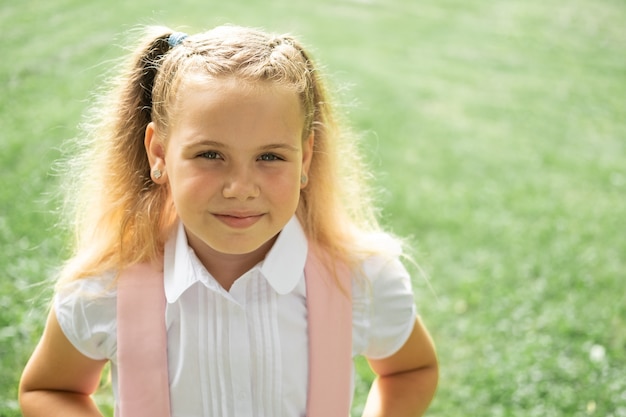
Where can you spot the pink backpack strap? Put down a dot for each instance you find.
(142, 343)
(330, 338)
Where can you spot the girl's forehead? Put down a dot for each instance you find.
(231, 84)
(214, 102)
(229, 88)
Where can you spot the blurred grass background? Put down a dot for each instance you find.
(496, 131)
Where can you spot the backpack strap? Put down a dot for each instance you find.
(142, 341)
(330, 338)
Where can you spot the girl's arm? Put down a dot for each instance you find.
(406, 381)
(58, 380)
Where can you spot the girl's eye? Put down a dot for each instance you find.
(210, 155)
(269, 157)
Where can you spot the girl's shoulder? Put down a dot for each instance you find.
(382, 304)
(103, 286)
(378, 257)
(86, 311)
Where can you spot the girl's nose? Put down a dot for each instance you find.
(240, 184)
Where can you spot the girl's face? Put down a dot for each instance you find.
(233, 161)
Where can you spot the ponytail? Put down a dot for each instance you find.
(136, 96)
(120, 217)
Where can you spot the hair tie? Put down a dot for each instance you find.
(176, 39)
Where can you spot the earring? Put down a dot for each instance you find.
(156, 173)
(303, 179)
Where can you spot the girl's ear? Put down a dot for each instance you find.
(155, 149)
(307, 156)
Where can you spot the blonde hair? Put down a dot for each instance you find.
(120, 217)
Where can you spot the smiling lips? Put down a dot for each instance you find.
(238, 221)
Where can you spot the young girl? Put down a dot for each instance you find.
(216, 162)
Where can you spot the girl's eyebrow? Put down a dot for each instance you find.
(280, 147)
(208, 143)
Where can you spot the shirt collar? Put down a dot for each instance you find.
(282, 267)
(179, 273)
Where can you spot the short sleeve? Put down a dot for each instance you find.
(86, 312)
(383, 309)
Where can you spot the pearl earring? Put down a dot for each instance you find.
(303, 179)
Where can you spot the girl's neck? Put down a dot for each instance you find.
(227, 268)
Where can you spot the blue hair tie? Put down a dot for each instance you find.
(176, 38)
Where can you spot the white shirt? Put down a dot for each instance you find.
(242, 352)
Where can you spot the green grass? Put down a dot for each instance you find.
(497, 134)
